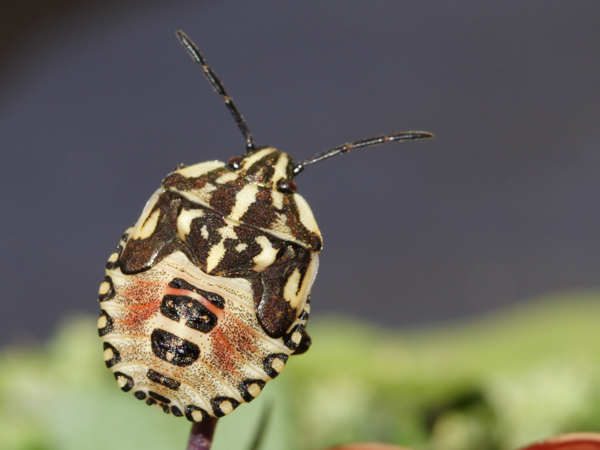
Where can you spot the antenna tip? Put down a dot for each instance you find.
(181, 36)
(410, 135)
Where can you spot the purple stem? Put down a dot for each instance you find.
(202, 434)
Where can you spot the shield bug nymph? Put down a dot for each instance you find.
(207, 295)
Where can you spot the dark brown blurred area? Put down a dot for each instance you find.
(22, 20)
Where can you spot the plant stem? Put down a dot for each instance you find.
(202, 434)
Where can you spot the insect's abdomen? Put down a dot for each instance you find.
(187, 341)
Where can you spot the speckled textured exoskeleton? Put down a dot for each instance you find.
(207, 295)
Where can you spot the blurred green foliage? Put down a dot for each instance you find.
(489, 384)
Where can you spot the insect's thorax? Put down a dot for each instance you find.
(249, 195)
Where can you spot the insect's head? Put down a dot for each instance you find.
(266, 167)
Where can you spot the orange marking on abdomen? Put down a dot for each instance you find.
(224, 352)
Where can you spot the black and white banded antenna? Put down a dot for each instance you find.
(401, 136)
(241, 123)
(218, 87)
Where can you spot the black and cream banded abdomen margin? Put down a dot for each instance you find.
(188, 342)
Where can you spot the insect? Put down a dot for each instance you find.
(207, 295)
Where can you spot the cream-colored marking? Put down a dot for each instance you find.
(113, 258)
(204, 232)
(226, 178)
(147, 210)
(254, 390)
(277, 365)
(146, 230)
(307, 308)
(247, 162)
(281, 229)
(243, 199)
(290, 291)
(228, 230)
(226, 407)
(215, 255)
(104, 288)
(169, 356)
(108, 354)
(197, 416)
(241, 247)
(296, 337)
(277, 199)
(102, 321)
(200, 196)
(184, 221)
(306, 216)
(200, 169)
(296, 294)
(280, 171)
(267, 255)
(121, 381)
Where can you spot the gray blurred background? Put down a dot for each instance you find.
(98, 102)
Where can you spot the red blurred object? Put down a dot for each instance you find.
(574, 441)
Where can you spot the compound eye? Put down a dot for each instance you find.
(235, 163)
(286, 186)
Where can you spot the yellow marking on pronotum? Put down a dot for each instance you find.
(243, 199)
(200, 169)
(277, 199)
(249, 160)
(226, 178)
(200, 196)
(281, 168)
(306, 215)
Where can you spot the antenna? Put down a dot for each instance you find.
(402, 136)
(218, 87)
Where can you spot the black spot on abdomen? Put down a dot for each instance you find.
(163, 379)
(196, 315)
(173, 349)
